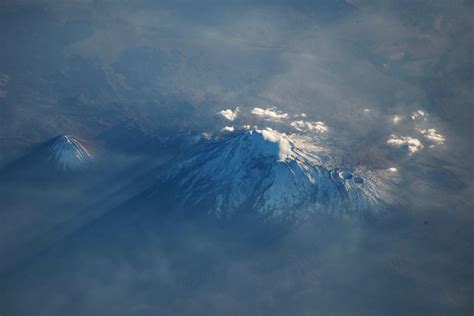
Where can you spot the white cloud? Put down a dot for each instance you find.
(304, 126)
(396, 119)
(270, 114)
(421, 121)
(284, 146)
(230, 114)
(418, 114)
(206, 135)
(432, 135)
(228, 129)
(410, 143)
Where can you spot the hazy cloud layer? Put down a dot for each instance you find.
(387, 83)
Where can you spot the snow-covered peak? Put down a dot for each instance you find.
(68, 153)
(274, 176)
(270, 143)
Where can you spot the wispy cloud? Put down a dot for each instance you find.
(432, 135)
(304, 126)
(270, 114)
(418, 115)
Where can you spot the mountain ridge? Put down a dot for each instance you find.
(277, 176)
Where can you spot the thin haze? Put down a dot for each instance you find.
(386, 85)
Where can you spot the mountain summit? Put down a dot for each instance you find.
(68, 153)
(271, 175)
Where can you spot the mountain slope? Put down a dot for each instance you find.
(274, 176)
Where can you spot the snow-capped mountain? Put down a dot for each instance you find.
(276, 176)
(67, 153)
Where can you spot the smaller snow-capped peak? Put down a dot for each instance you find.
(68, 153)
